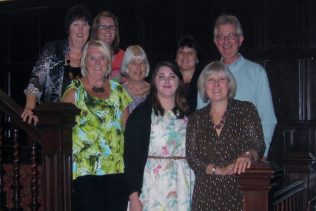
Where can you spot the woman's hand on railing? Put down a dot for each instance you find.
(244, 161)
(28, 116)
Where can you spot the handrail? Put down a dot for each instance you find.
(54, 133)
(256, 184)
(288, 191)
(13, 110)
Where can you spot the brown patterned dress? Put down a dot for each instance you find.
(241, 132)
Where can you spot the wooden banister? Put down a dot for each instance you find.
(54, 134)
(256, 184)
(13, 110)
(291, 197)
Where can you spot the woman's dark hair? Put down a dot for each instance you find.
(188, 41)
(181, 109)
(77, 12)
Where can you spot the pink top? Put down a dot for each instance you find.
(116, 65)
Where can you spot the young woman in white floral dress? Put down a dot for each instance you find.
(157, 173)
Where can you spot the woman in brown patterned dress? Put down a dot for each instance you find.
(223, 139)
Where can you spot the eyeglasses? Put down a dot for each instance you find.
(232, 37)
(106, 27)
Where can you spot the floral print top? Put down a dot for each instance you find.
(98, 136)
(168, 180)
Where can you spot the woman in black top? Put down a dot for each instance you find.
(58, 63)
(188, 57)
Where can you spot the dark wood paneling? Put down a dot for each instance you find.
(311, 89)
(3, 39)
(284, 24)
(311, 27)
(284, 78)
(161, 30)
(23, 36)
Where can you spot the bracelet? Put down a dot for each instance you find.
(213, 170)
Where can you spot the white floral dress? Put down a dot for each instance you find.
(168, 182)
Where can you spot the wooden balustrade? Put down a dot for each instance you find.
(54, 136)
(256, 184)
(291, 198)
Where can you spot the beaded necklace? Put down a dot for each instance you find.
(97, 89)
(221, 123)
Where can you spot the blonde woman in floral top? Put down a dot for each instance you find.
(98, 136)
(157, 172)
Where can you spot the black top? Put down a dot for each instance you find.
(192, 91)
(137, 135)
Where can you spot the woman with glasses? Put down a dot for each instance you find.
(223, 139)
(105, 27)
(157, 172)
(58, 63)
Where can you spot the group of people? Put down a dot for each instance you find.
(174, 142)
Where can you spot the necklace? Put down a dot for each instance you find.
(220, 124)
(97, 89)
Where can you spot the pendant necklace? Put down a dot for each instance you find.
(221, 123)
(97, 90)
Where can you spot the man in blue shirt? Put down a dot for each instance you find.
(251, 78)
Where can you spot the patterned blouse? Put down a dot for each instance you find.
(48, 73)
(241, 132)
(98, 136)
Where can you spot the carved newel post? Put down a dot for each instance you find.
(56, 121)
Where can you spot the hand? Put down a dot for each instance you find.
(28, 116)
(242, 163)
(135, 205)
(227, 170)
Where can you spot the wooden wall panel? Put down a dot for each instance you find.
(23, 36)
(160, 29)
(311, 24)
(284, 24)
(311, 89)
(284, 78)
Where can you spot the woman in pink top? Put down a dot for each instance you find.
(105, 27)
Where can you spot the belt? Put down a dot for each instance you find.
(171, 157)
